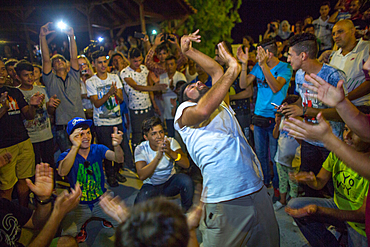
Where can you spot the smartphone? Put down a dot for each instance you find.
(275, 105)
(139, 35)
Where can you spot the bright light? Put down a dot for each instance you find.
(62, 25)
(100, 39)
(154, 32)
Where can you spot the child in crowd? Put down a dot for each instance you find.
(287, 157)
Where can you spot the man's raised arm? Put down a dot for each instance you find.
(46, 62)
(215, 95)
(210, 66)
(72, 48)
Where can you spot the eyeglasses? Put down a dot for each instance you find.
(87, 165)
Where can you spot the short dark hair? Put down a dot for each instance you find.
(171, 57)
(270, 44)
(56, 56)
(305, 42)
(156, 222)
(325, 3)
(99, 53)
(10, 62)
(308, 26)
(227, 44)
(23, 65)
(162, 47)
(134, 52)
(182, 96)
(149, 123)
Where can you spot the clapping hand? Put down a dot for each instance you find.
(54, 101)
(65, 202)
(262, 55)
(113, 89)
(186, 41)
(114, 207)
(242, 56)
(44, 182)
(37, 99)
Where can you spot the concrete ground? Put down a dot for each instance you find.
(290, 235)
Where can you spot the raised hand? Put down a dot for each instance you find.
(291, 110)
(5, 159)
(262, 55)
(54, 101)
(116, 137)
(44, 30)
(76, 138)
(114, 207)
(65, 202)
(113, 89)
(158, 40)
(302, 212)
(225, 56)
(306, 131)
(37, 99)
(186, 41)
(175, 41)
(69, 31)
(326, 93)
(44, 182)
(242, 56)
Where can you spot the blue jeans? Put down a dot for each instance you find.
(263, 142)
(314, 228)
(178, 183)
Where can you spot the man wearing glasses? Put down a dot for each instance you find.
(83, 164)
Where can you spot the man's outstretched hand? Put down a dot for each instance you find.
(44, 182)
(186, 41)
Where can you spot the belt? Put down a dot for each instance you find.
(143, 111)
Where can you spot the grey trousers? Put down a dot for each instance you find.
(246, 221)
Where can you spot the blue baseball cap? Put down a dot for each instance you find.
(76, 122)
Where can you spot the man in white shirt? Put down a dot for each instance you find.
(105, 92)
(170, 78)
(155, 159)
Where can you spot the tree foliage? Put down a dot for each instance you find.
(215, 20)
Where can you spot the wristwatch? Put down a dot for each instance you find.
(43, 202)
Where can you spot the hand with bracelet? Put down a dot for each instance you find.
(44, 183)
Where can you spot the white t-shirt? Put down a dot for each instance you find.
(323, 32)
(219, 148)
(164, 169)
(168, 94)
(352, 64)
(138, 100)
(86, 103)
(109, 113)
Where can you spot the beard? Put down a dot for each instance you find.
(202, 92)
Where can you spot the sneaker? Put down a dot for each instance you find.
(112, 182)
(106, 224)
(120, 178)
(278, 205)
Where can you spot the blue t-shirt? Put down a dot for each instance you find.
(92, 186)
(332, 75)
(265, 95)
(208, 83)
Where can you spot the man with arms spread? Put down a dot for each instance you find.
(236, 197)
(62, 82)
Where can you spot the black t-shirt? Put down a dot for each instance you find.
(11, 124)
(12, 218)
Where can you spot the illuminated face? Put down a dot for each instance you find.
(155, 136)
(36, 73)
(3, 73)
(294, 59)
(59, 64)
(171, 66)
(354, 7)
(82, 64)
(101, 64)
(342, 35)
(136, 62)
(118, 62)
(26, 77)
(162, 55)
(324, 10)
(284, 27)
(195, 91)
(85, 138)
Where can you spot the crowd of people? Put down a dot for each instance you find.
(289, 113)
